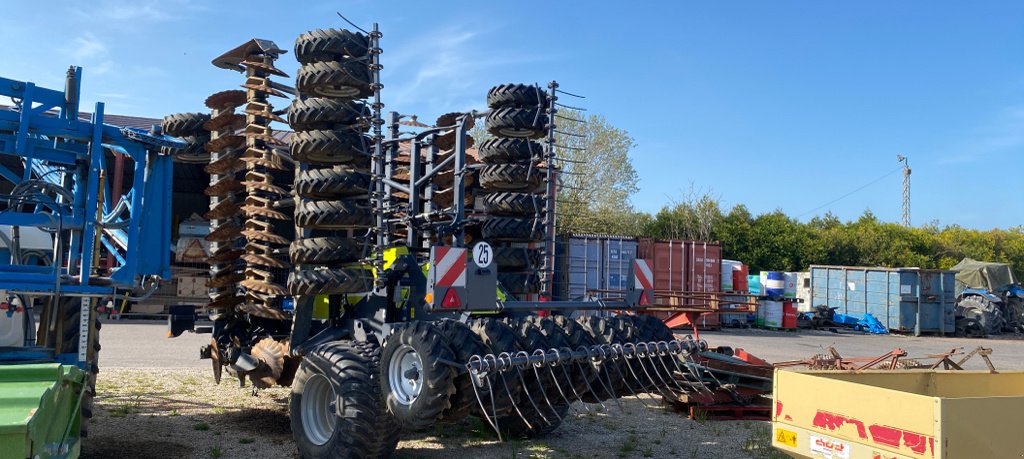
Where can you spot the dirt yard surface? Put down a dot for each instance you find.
(158, 400)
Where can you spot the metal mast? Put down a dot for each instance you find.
(906, 189)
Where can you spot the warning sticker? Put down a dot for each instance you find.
(829, 448)
(785, 437)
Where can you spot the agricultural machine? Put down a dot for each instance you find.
(989, 299)
(59, 209)
(391, 275)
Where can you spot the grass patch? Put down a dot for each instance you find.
(216, 452)
(126, 406)
(246, 441)
(759, 443)
(629, 445)
(201, 426)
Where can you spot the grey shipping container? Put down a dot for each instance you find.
(902, 299)
(592, 262)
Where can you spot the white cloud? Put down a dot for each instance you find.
(133, 12)
(1005, 132)
(86, 47)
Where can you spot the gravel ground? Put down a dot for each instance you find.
(181, 413)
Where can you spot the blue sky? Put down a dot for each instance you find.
(782, 104)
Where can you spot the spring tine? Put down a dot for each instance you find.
(621, 375)
(528, 396)
(633, 372)
(585, 380)
(646, 354)
(543, 362)
(675, 360)
(665, 355)
(654, 356)
(691, 366)
(604, 369)
(508, 392)
(551, 368)
(475, 375)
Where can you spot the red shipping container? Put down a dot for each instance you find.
(789, 314)
(739, 279)
(684, 266)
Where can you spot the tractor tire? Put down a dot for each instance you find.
(515, 122)
(331, 183)
(511, 177)
(417, 351)
(194, 151)
(603, 331)
(465, 344)
(498, 337)
(330, 45)
(597, 387)
(658, 368)
(316, 113)
(324, 251)
(502, 151)
(515, 204)
(65, 340)
(983, 312)
(582, 375)
(513, 229)
(341, 374)
(333, 215)
(331, 147)
(523, 283)
(517, 95)
(333, 281)
(185, 124)
(515, 258)
(540, 389)
(338, 80)
(653, 327)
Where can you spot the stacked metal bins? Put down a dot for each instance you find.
(902, 299)
(588, 263)
(689, 267)
(736, 272)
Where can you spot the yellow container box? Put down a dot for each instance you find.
(898, 414)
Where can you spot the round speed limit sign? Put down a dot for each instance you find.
(483, 254)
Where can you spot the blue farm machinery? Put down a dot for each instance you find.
(59, 214)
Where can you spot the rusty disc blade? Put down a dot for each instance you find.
(261, 85)
(265, 237)
(264, 66)
(224, 281)
(257, 110)
(224, 232)
(224, 209)
(226, 99)
(223, 121)
(226, 301)
(263, 260)
(268, 351)
(269, 188)
(227, 162)
(224, 142)
(223, 187)
(449, 119)
(255, 211)
(215, 359)
(266, 287)
(259, 309)
(413, 122)
(269, 164)
(226, 256)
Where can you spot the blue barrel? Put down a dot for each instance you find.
(754, 284)
(775, 284)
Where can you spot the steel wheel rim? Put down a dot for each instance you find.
(337, 91)
(516, 132)
(405, 375)
(318, 404)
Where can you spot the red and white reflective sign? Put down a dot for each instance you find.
(449, 266)
(642, 275)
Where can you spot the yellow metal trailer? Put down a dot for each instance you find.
(898, 414)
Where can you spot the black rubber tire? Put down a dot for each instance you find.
(531, 401)
(601, 383)
(364, 430)
(511, 258)
(446, 142)
(337, 80)
(517, 122)
(338, 182)
(185, 124)
(324, 250)
(524, 204)
(195, 147)
(653, 327)
(465, 343)
(316, 113)
(65, 340)
(511, 177)
(517, 95)
(499, 150)
(333, 281)
(659, 368)
(512, 229)
(330, 45)
(499, 337)
(582, 375)
(521, 283)
(438, 379)
(631, 368)
(333, 215)
(986, 314)
(331, 147)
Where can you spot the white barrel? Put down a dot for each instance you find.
(727, 267)
(772, 313)
(789, 289)
(773, 283)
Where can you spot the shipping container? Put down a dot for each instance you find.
(684, 266)
(586, 262)
(897, 297)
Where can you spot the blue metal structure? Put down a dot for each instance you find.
(53, 176)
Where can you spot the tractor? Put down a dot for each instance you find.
(989, 299)
(406, 286)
